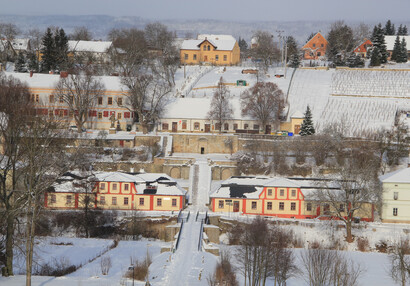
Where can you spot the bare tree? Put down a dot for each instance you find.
(264, 102)
(351, 189)
(80, 92)
(81, 34)
(224, 273)
(400, 262)
(15, 108)
(221, 108)
(147, 94)
(265, 49)
(328, 267)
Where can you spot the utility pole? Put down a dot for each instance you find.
(286, 57)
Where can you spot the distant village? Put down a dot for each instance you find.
(146, 125)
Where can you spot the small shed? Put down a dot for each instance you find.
(241, 82)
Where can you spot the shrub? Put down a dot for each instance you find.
(139, 269)
(363, 244)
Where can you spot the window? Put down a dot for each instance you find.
(174, 202)
(114, 201)
(61, 112)
(282, 192)
(114, 187)
(100, 100)
(216, 58)
(126, 201)
(126, 187)
(293, 193)
(235, 126)
(183, 124)
(226, 126)
(69, 199)
(292, 206)
(186, 56)
(102, 200)
(217, 126)
(204, 48)
(119, 101)
(110, 100)
(309, 207)
(341, 207)
(51, 98)
(281, 206)
(164, 126)
(221, 204)
(245, 126)
(194, 57)
(53, 199)
(159, 202)
(209, 48)
(255, 127)
(269, 192)
(269, 206)
(225, 58)
(61, 99)
(51, 113)
(322, 45)
(254, 205)
(119, 115)
(196, 126)
(102, 186)
(396, 195)
(141, 201)
(395, 211)
(326, 209)
(314, 45)
(319, 54)
(99, 115)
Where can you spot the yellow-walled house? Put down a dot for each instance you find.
(116, 191)
(279, 197)
(211, 49)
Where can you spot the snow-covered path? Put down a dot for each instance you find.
(201, 182)
(188, 265)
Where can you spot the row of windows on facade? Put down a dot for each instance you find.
(322, 45)
(69, 200)
(194, 57)
(197, 126)
(91, 113)
(52, 99)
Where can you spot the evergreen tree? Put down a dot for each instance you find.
(48, 59)
(389, 28)
(243, 45)
(61, 45)
(294, 61)
(307, 125)
(20, 65)
(32, 62)
(379, 43)
(292, 46)
(402, 31)
(375, 58)
(354, 61)
(403, 52)
(396, 49)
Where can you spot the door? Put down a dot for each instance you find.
(268, 129)
(202, 150)
(207, 128)
(235, 206)
(205, 58)
(174, 126)
(297, 129)
(122, 143)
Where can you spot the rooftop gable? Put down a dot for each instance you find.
(399, 176)
(318, 37)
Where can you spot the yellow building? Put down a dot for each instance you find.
(116, 191)
(212, 49)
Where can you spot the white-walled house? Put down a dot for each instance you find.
(396, 196)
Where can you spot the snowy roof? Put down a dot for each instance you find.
(391, 39)
(399, 176)
(297, 114)
(20, 44)
(117, 177)
(197, 108)
(39, 80)
(89, 46)
(221, 42)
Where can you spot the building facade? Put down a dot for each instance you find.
(315, 48)
(363, 48)
(210, 49)
(116, 191)
(396, 196)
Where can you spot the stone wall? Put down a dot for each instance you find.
(204, 143)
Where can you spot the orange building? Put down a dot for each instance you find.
(116, 191)
(315, 47)
(361, 50)
(279, 197)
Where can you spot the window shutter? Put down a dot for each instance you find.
(105, 113)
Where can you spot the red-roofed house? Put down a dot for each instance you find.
(361, 50)
(315, 47)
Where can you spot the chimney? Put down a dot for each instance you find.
(31, 73)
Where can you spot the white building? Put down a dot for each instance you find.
(396, 196)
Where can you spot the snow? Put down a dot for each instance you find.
(221, 42)
(399, 176)
(89, 46)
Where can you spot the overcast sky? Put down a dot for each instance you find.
(238, 10)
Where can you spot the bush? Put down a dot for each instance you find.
(140, 268)
(57, 268)
(363, 244)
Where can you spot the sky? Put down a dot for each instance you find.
(232, 10)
